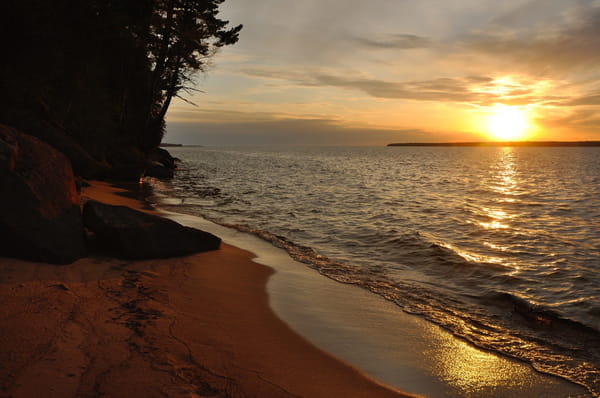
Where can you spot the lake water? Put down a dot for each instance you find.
(501, 246)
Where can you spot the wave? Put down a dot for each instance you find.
(494, 320)
(521, 329)
(488, 258)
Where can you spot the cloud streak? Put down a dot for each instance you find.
(587, 100)
(581, 123)
(574, 46)
(474, 90)
(247, 128)
(394, 42)
(289, 132)
(329, 65)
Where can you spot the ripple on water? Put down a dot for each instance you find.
(498, 245)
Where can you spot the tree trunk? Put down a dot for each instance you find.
(159, 69)
(172, 90)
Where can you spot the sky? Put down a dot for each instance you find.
(355, 72)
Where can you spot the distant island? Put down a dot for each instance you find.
(505, 143)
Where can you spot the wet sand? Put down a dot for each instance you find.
(196, 326)
(401, 350)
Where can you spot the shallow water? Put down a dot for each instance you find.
(499, 245)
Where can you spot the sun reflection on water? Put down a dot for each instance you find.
(474, 257)
(495, 246)
(505, 182)
(494, 225)
(495, 215)
(498, 214)
(474, 372)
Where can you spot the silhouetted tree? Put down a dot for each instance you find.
(103, 72)
(184, 35)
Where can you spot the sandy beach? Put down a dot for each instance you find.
(396, 348)
(221, 198)
(196, 326)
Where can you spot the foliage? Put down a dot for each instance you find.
(103, 72)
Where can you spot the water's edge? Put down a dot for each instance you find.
(332, 323)
(495, 245)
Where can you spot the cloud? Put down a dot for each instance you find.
(277, 130)
(474, 90)
(187, 115)
(585, 100)
(454, 56)
(394, 41)
(584, 123)
(541, 47)
(440, 89)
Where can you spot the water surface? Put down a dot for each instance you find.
(501, 246)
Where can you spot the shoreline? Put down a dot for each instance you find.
(375, 336)
(405, 232)
(195, 326)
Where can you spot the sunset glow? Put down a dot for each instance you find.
(507, 123)
(419, 181)
(425, 72)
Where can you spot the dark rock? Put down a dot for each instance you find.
(40, 216)
(158, 170)
(161, 164)
(138, 235)
(84, 165)
(127, 172)
(81, 183)
(163, 157)
(128, 163)
(8, 153)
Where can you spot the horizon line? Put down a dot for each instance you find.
(503, 143)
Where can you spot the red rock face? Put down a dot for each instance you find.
(46, 171)
(39, 203)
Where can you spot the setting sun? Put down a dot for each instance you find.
(507, 123)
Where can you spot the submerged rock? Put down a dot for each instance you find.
(138, 235)
(163, 157)
(40, 217)
(161, 164)
(158, 170)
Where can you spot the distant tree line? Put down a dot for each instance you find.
(103, 72)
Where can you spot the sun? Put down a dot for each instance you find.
(507, 123)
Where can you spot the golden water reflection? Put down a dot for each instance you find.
(498, 214)
(472, 372)
(495, 246)
(494, 225)
(502, 180)
(505, 181)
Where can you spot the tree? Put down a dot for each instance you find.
(183, 36)
(103, 72)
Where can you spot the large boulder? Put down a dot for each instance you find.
(84, 165)
(40, 216)
(136, 235)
